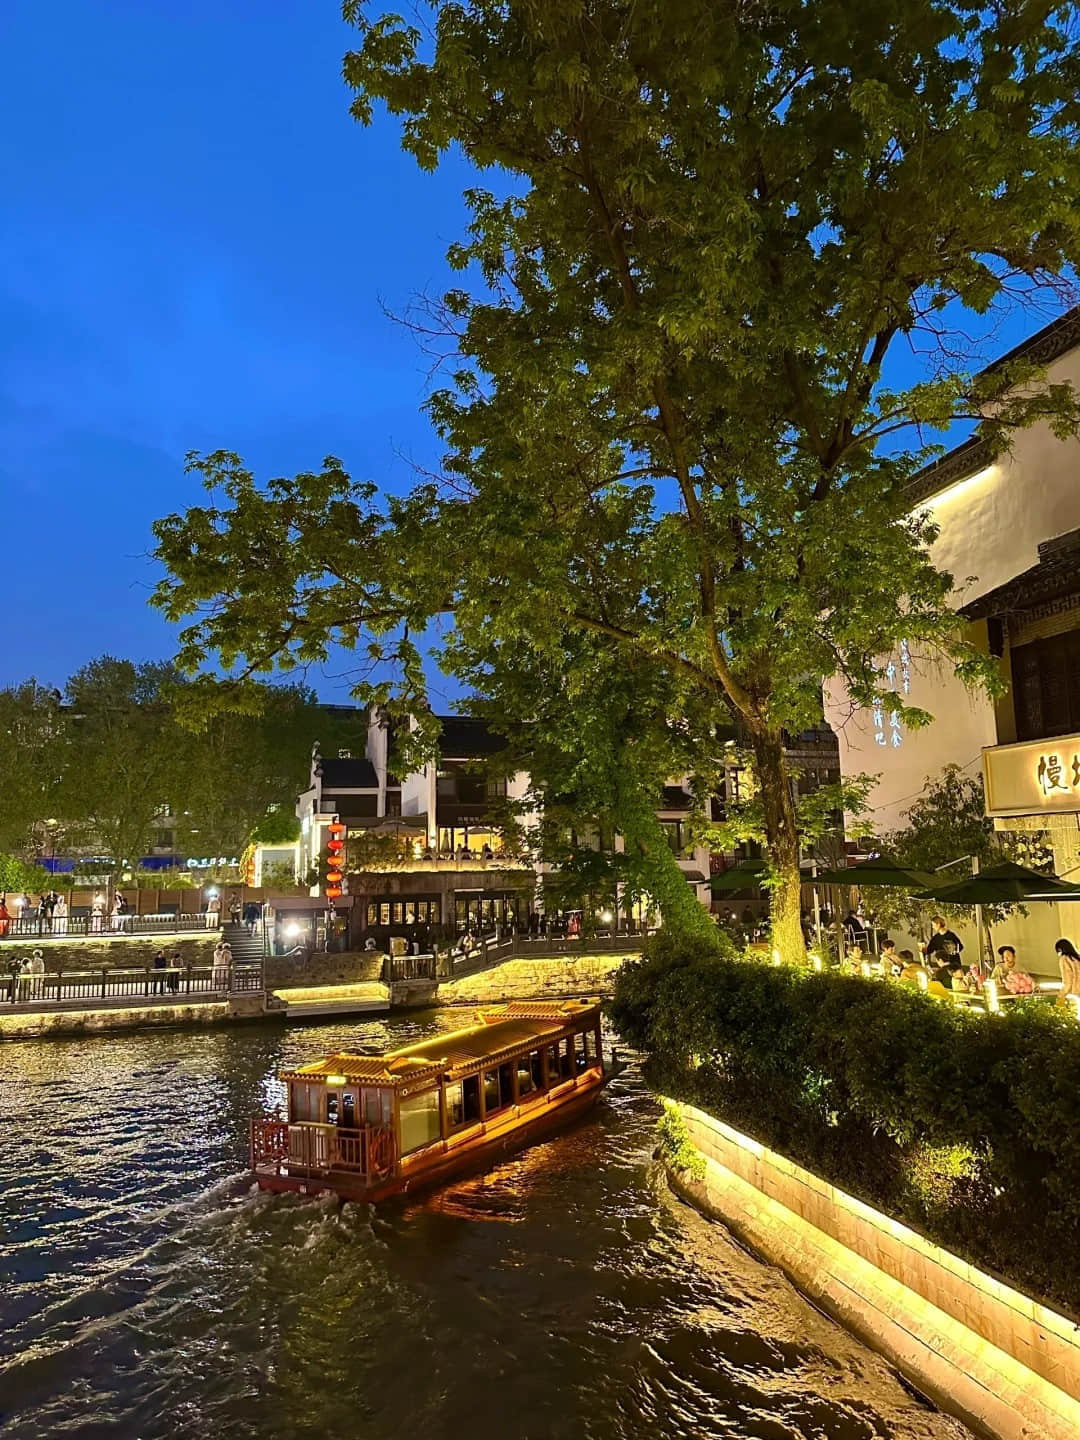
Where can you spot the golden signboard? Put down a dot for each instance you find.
(1037, 777)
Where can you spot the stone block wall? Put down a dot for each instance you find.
(348, 968)
(554, 979)
(1007, 1365)
(132, 952)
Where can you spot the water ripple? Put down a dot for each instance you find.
(148, 1290)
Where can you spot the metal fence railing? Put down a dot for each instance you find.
(41, 927)
(88, 988)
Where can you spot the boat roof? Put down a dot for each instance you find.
(506, 1029)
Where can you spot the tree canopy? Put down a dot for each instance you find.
(716, 304)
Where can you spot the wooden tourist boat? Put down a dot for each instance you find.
(366, 1127)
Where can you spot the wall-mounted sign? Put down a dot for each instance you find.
(1037, 777)
(894, 735)
(211, 862)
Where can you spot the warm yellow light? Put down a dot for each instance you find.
(817, 963)
(335, 1079)
(992, 1001)
(777, 959)
(923, 979)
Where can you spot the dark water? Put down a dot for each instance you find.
(146, 1290)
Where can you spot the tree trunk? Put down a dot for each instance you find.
(782, 840)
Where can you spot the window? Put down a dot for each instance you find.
(536, 1069)
(525, 1083)
(384, 913)
(553, 1064)
(163, 840)
(492, 1102)
(677, 835)
(455, 1105)
(419, 1121)
(305, 1102)
(1046, 686)
(470, 1091)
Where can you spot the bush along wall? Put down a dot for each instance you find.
(964, 1126)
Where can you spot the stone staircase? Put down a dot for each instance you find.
(246, 949)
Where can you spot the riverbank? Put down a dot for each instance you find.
(340, 989)
(1004, 1364)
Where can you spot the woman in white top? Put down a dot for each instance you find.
(60, 916)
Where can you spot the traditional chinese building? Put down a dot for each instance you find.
(1032, 772)
(1005, 535)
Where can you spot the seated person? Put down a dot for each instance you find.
(889, 960)
(1007, 977)
(951, 973)
(910, 968)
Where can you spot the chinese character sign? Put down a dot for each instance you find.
(1052, 775)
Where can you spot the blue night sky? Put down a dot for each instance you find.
(195, 242)
(195, 245)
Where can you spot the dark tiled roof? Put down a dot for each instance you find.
(1056, 576)
(464, 737)
(355, 774)
(1042, 348)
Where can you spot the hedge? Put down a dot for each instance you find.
(965, 1126)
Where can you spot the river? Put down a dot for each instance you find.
(146, 1290)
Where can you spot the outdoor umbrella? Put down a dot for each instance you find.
(1004, 884)
(879, 870)
(746, 875)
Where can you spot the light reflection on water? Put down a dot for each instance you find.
(147, 1290)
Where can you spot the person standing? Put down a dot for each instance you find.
(160, 965)
(213, 911)
(37, 975)
(5, 916)
(1069, 961)
(943, 941)
(60, 916)
(235, 908)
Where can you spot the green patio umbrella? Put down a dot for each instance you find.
(746, 875)
(879, 870)
(1004, 884)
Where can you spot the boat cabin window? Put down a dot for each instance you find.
(419, 1121)
(331, 1107)
(536, 1069)
(525, 1082)
(470, 1089)
(305, 1102)
(553, 1064)
(463, 1103)
(498, 1088)
(375, 1107)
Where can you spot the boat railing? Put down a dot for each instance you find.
(313, 1148)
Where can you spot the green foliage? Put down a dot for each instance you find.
(368, 851)
(31, 759)
(678, 1148)
(278, 827)
(17, 876)
(664, 417)
(962, 1125)
(129, 749)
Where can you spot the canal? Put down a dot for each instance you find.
(146, 1290)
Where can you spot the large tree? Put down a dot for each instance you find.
(32, 748)
(711, 226)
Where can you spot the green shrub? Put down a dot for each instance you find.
(964, 1125)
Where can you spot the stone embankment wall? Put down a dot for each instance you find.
(62, 1023)
(552, 979)
(350, 968)
(130, 952)
(1006, 1365)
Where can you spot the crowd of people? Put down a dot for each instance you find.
(941, 966)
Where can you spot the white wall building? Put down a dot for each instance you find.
(992, 516)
